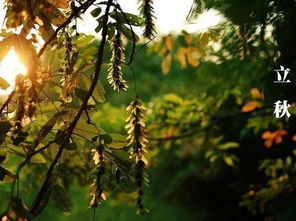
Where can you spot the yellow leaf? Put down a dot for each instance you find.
(103, 195)
(256, 93)
(187, 38)
(252, 105)
(166, 64)
(169, 42)
(192, 57)
(181, 56)
(228, 160)
(39, 21)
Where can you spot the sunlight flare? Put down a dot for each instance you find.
(10, 67)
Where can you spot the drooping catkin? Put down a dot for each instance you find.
(115, 75)
(21, 90)
(138, 139)
(98, 196)
(33, 97)
(147, 11)
(68, 51)
(69, 79)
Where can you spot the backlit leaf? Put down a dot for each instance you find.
(4, 84)
(250, 106)
(273, 137)
(256, 93)
(169, 42)
(228, 145)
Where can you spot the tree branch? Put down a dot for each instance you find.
(68, 132)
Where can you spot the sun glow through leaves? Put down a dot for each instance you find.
(10, 67)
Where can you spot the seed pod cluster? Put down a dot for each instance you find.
(138, 139)
(68, 80)
(147, 10)
(115, 73)
(98, 196)
(68, 51)
(33, 88)
(21, 90)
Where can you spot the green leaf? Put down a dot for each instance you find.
(86, 130)
(173, 98)
(105, 138)
(60, 136)
(126, 18)
(122, 158)
(47, 127)
(98, 28)
(16, 150)
(129, 33)
(213, 158)
(80, 93)
(84, 41)
(229, 160)
(4, 128)
(118, 141)
(229, 145)
(61, 198)
(4, 84)
(71, 146)
(38, 158)
(96, 12)
(289, 160)
(99, 93)
(111, 31)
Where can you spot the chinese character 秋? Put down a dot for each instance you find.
(282, 74)
(281, 109)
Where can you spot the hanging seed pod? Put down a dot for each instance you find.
(115, 74)
(21, 103)
(68, 80)
(33, 97)
(136, 129)
(98, 196)
(138, 139)
(68, 51)
(147, 12)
